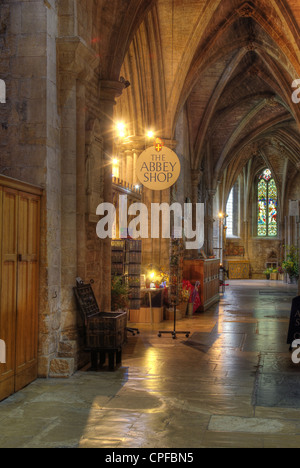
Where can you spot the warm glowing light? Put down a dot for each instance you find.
(221, 215)
(115, 168)
(121, 128)
(137, 187)
(152, 275)
(150, 134)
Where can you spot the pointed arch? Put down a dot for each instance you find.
(191, 67)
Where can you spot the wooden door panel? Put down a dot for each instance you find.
(19, 272)
(8, 215)
(27, 290)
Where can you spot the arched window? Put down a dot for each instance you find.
(232, 211)
(267, 205)
(229, 212)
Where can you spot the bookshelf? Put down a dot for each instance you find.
(126, 262)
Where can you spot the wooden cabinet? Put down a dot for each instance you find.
(19, 275)
(207, 273)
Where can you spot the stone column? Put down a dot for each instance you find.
(136, 155)
(81, 181)
(195, 180)
(76, 62)
(246, 237)
(129, 166)
(210, 221)
(109, 91)
(133, 146)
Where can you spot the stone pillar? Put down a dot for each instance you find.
(196, 179)
(136, 155)
(81, 181)
(135, 158)
(123, 168)
(109, 91)
(133, 146)
(210, 221)
(76, 63)
(68, 206)
(129, 166)
(246, 237)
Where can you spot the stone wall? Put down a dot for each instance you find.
(52, 94)
(30, 143)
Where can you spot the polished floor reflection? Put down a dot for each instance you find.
(231, 384)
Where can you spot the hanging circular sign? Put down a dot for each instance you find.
(158, 167)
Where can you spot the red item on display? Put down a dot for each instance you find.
(194, 294)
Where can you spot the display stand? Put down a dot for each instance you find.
(176, 266)
(174, 333)
(123, 252)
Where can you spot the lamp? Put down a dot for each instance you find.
(121, 128)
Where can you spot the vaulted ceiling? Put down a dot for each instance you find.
(230, 66)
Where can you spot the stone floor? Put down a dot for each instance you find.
(231, 384)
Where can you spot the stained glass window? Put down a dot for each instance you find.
(266, 175)
(262, 208)
(267, 205)
(272, 208)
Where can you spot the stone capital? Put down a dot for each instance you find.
(75, 57)
(211, 193)
(135, 143)
(110, 90)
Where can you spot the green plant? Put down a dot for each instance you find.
(119, 294)
(268, 272)
(291, 265)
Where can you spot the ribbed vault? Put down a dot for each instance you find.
(229, 66)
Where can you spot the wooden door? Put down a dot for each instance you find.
(27, 290)
(8, 310)
(19, 241)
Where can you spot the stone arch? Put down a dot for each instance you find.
(202, 58)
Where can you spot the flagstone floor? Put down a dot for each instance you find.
(231, 384)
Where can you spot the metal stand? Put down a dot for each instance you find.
(133, 331)
(174, 332)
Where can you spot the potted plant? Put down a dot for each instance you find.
(274, 274)
(280, 273)
(291, 265)
(119, 294)
(268, 273)
(184, 298)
